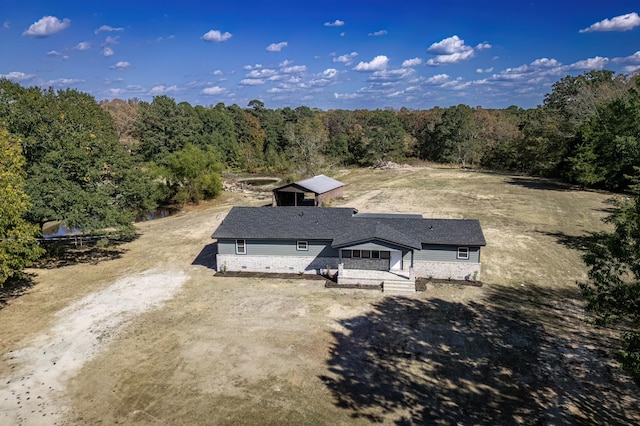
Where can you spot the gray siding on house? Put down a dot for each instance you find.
(444, 254)
(279, 248)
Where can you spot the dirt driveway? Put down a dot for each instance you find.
(152, 337)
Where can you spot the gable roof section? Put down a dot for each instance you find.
(344, 227)
(317, 184)
(374, 231)
(301, 223)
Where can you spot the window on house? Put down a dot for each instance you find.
(241, 247)
(385, 255)
(375, 254)
(366, 254)
(463, 253)
(346, 253)
(303, 245)
(355, 253)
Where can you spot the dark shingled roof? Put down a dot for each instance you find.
(302, 223)
(344, 227)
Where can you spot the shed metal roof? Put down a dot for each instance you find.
(344, 227)
(317, 184)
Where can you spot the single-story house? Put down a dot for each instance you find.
(355, 245)
(321, 189)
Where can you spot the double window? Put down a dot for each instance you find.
(463, 253)
(241, 247)
(302, 245)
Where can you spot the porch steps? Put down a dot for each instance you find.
(399, 286)
(392, 282)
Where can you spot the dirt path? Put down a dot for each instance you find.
(151, 337)
(42, 368)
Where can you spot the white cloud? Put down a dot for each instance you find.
(116, 92)
(597, 63)
(545, 63)
(437, 79)
(392, 75)
(378, 63)
(411, 62)
(122, 65)
(160, 90)
(378, 33)
(632, 59)
(17, 76)
(250, 67)
(486, 70)
(346, 96)
(251, 82)
(84, 45)
(294, 69)
(216, 35)
(631, 69)
(346, 59)
(6, 25)
(447, 46)
(277, 47)
(450, 50)
(261, 73)
(111, 40)
(64, 82)
(113, 80)
(215, 90)
(53, 53)
(619, 23)
(330, 73)
(336, 23)
(107, 28)
(536, 71)
(46, 26)
(107, 51)
(483, 46)
(217, 72)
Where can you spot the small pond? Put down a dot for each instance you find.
(260, 181)
(55, 229)
(159, 213)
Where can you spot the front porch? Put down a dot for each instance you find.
(392, 281)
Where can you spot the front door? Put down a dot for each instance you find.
(395, 263)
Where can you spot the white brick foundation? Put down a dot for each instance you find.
(288, 264)
(447, 270)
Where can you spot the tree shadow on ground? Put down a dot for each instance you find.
(67, 252)
(15, 287)
(541, 183)
(207, 257)
(575, 242)
(523, 355)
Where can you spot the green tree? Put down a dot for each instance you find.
(164, 127)
(455, 137)
(18, 244)
(192, 174)
(613, 287)
(77, 172)
(608, 146)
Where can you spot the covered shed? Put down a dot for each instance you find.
(313, 191)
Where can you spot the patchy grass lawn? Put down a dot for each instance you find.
(152, 337)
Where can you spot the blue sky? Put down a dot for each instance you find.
(327, 54)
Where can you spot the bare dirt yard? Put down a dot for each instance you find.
(148, 335)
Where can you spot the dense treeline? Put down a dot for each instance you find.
(585, 132)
